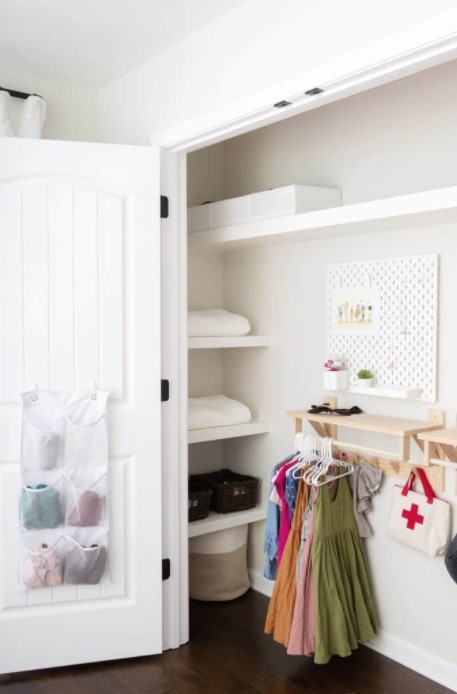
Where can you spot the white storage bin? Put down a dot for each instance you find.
(199, 217)
(292, 200)
(228, 212)
(287, 200)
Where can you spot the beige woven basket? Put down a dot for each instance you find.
(218, 565)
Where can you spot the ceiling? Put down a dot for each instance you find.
(94, 41)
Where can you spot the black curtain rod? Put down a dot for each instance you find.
(18, 95)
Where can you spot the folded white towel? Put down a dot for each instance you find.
(216, 323)
(216, 411)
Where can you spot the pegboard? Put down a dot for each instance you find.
(382, 316)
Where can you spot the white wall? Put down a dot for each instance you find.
(72, 108)
(395, 139)
(399, 138)
(255, 45)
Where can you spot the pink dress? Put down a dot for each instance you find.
(285, 520)
(301, 640)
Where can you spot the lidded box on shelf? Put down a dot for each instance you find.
(278, 202)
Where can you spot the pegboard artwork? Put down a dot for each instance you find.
(391, 328)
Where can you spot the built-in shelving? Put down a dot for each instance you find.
(229, 342)
(222, 521)
(227, 432)
(414, 210)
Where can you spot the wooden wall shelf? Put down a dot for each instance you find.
(440, 448)
(392, 463)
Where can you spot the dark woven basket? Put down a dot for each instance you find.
(199, 500)
(231, 492)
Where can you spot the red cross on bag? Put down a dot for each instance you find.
(421, 521)
(413, 516)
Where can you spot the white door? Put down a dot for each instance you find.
(80, 302)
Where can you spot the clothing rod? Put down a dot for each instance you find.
(18, 95)
(357, 448)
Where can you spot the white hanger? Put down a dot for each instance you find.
(308, 447)
(317, 480)
(315, 457)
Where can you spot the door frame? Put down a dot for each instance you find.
(407, 52)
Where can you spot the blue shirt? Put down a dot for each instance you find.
(270, 546)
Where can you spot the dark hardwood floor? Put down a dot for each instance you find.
(228, 653)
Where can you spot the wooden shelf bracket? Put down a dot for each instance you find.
(440, 449)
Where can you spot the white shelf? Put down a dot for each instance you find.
(414, 210)
(228, 432)
(387, 392)
(229, 342)
(222, 521)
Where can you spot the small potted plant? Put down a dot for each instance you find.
(364, 378)
(335, 375)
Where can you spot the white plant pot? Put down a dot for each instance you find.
(335, 380)
(363, 382)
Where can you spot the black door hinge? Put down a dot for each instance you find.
(165, 390)
(164, 207)
(166, 569)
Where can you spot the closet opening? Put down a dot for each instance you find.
(344, 183)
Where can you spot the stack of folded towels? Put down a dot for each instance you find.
(217, 323)
(216, 410)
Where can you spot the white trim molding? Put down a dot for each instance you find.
(418, 47)
(418, 659)
(261, 584)
(408, 654)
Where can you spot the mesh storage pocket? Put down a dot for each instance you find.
(40, 500)
(86, 498)
(85, 557)
(85, 444)
(42, 439)
(41, 565)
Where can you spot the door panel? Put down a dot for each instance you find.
(80, 303)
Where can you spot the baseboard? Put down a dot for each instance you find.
(415, 658)
(408, 654)
(260, 583)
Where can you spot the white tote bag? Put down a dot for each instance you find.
(418, 520)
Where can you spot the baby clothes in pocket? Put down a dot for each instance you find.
(86, 498)
(41, 567)
(85, 557)
(40, 501)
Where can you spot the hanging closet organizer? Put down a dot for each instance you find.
(63, 496)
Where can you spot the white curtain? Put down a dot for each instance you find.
(32, 116)
(6, 128)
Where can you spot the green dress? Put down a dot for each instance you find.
(344, 606)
